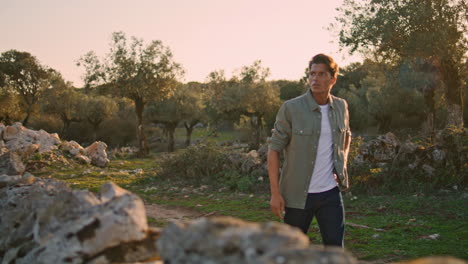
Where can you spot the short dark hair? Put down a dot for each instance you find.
(327, 60)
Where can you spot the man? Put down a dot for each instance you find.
(313, 131)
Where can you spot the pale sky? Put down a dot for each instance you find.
(203, 35)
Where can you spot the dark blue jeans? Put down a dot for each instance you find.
(328, 208)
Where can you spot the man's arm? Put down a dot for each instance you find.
(277, 201)
(347, 146)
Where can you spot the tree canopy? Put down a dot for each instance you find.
(137, 72)
(22, 72)
(396, 30)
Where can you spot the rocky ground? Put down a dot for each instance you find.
(44, 221)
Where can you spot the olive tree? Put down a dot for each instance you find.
(96, 109)
(141, 73)
(412, 30)
(63, 101)
(184, 106)
(26, 77)
(248, 93)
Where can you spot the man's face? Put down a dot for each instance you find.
(320, 79)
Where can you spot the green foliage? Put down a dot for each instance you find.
(96, 109)
(117, 132)
(207, 164)
(197, 163)
(64, 102)
(412, 30)
(407, 219)
(37, 156)
(137, 72)
(186, 105)
(381, 96)
(93, 71)
(11, 110)
(247, 94)
(22, 73)
(290, 89)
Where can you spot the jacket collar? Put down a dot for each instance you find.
(314, 105)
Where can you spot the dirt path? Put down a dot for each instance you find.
(171, 213)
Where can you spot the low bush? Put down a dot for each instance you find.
(208, 164)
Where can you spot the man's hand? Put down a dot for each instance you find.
(277, 205)
(277, 201)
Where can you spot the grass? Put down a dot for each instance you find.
(408, 220)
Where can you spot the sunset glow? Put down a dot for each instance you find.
(203, 35)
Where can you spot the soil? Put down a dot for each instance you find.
(171, 213)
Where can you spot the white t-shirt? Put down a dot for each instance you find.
(322, 176)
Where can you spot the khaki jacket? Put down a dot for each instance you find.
(296, 132)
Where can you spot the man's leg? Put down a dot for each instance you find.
(330, 218)
(298, 218)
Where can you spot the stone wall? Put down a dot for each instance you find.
(44, 221)
(18, 143)
(386, 151)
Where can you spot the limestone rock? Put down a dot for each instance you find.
(11, 164)
(263, 152)
(382, 149)
(11, 132)
(230, 240)
(83, 159)
(97, 153)
(29, 150)
(428, 169)
(251, 161)
(72, 147)
(44, 221)
(6, 180)
(436, 260)
(422, 156)
(19, 138)
(312, 255)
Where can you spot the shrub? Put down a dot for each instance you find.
(210, 165)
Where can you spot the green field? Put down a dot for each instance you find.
(380, 228)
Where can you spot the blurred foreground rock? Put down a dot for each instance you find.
(47, 222)
(26, 143)
(44, 221)
(230, 240)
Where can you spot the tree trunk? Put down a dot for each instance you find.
(383, 123)
(95, 129)
(170, 128)
(454, 93)
(189, 129)
(66, 125)
(26, 119)
(455, 115)
(428, 127)
(258, 135)
(143, 149)
(256, 123)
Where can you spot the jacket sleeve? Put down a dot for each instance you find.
(346, 116)
(281, 132)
